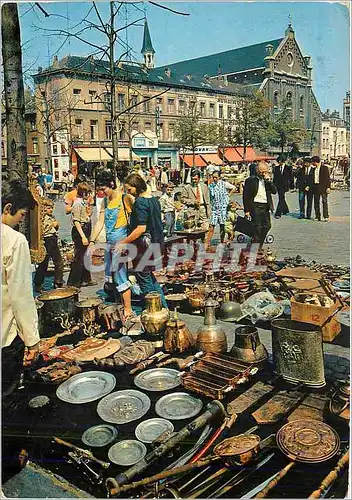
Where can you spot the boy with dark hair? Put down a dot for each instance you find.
(50, 234)
(20, 336)
(168, 209)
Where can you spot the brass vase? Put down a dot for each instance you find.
(177, 336)
(154, 317)
(211, 337)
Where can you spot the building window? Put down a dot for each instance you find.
(93, 129)
(181, 107)
(202, 109)
(170, 105)
(108, 133)
(123, 133)
(229, 112)
(221, 111)
(146, 105)
(238, 114)
(35, 145)
(54, 149)
(276, 99)
(161, 131)
(289, 100)
(63, 149)
(135, 126)
(92, 94)
(331, 148)
(107, 101)
(2, 149)
(342, 135)
(33, 124)
(171, 131)
(134, 101)
(159, 102)
(56, 175)
(148, 126)
(56, 163)
(120, 102)
(79, 127)
(76, 91)
(212, 110)
(53, 137)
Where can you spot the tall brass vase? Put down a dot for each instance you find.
(154, 317)
(211, 337)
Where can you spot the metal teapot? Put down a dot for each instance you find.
(339, 404)
(247, 346)
(177, 336)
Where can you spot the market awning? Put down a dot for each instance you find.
(93, 154)
(124, 154)
(212, 158)
(198, 161)
(237, 154)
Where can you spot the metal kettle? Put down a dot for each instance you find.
(339, 404)
(177, 336)
(247, 346)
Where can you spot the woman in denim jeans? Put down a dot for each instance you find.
(114, 215)
(145, 227)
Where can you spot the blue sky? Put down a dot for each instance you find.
(322, 31)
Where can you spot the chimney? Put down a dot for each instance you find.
(55, 61)
(168, 72)
(269, 49)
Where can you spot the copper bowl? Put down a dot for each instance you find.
(196, 299)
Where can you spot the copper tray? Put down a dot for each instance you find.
(308, 441)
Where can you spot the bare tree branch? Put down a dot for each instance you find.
(168, 8)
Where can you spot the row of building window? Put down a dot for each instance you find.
(326, 131)
(288, 99)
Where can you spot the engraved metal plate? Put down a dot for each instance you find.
(127, 452)
(86, 387)
(149, 430)
(99, 435)
(178, 406)
(123, 406)
(158, 379)
(308, 441)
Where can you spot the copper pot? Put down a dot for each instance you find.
(211, 337)
(177, 336)
(247, 346)
(88, 310)
(154, 317)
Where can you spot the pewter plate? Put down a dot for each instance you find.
(342, 285)
(123, 406)
(86, 387)
(127, 452)
(178, 406)
(158, 379)
(344, 318)
(149, 430)
(99, 435)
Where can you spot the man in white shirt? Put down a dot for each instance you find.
(19, 336)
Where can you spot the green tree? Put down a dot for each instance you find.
(191, 132)
(285, 132)
(251, 123)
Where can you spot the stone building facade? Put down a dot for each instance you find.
(335, 136)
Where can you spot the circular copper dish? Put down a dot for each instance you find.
(309, 441)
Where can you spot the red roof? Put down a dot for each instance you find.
(237, 153)
(198, 161)
(212, 158)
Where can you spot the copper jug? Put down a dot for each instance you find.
(247, 346)
(177, 336)
(154, 317)
(211, 337)
(339, 404)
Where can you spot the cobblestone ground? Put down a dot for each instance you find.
(323, 242)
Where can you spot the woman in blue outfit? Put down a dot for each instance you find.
(114, 216)
(219, 201)
(146, 227)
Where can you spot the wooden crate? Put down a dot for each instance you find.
(317, 315)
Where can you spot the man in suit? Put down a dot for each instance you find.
(283, 181)
(257, 201)
(321, 188)
(196, 197)
(304, 180)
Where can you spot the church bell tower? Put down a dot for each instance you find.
(147, 49)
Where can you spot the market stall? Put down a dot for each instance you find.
(171, 411)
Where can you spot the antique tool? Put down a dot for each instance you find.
(241, 476)
(329, 480)
(88, 472)
(154, 317)
(277, 407)
(298, 352)
(152, 359)
(311, 407)
(81, 452)
(307, 441)
(180, 362)
(214, 409)
(211, 337)
(177, 336)
(247, 347)
(249, 398)
(188, 455)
